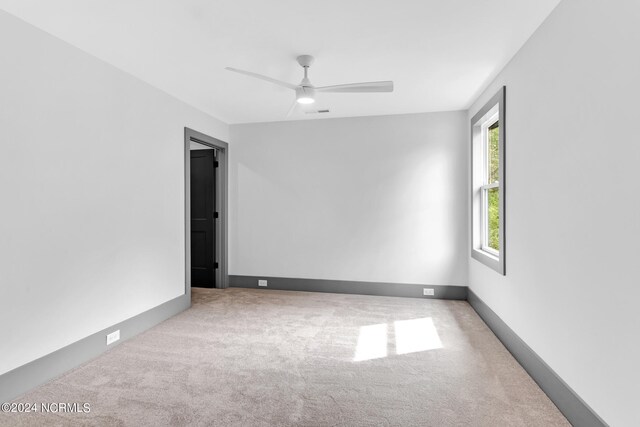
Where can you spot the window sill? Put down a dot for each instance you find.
(488, 259)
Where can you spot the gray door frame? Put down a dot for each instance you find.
(221, 224)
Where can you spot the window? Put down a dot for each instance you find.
(487, 152)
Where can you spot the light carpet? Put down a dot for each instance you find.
(246, 357)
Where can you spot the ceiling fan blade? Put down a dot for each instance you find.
(293, 108)
(386, 86)
(261, 77)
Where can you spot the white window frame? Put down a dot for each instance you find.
(484, 188)
(492, 111)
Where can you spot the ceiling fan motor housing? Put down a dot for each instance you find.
(305, 94)
(305, 60)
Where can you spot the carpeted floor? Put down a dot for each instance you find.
(276, 358)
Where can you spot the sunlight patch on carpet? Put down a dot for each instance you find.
(411, 336)
(416, 335)
(372, 343)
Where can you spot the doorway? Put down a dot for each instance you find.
(205, 211)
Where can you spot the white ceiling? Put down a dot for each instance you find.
(440, 54)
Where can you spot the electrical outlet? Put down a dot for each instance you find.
(262, 283)
(428, 292)
(113, 337)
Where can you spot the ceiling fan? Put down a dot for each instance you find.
(306, 92)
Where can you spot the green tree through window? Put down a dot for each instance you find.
(493, 196)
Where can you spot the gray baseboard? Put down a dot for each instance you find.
(350, 287)
(570, 404)
(24, 378)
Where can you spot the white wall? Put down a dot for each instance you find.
(573, 202)
(380, 199)
(92, 193)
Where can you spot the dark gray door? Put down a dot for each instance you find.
(203, 238)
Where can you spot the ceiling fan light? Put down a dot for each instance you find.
(305, 95)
